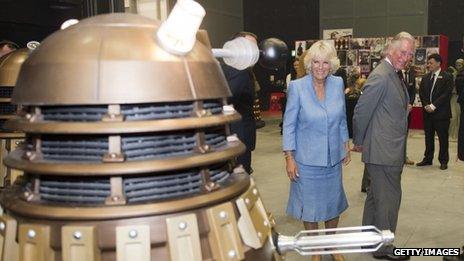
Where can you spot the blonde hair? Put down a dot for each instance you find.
(322, 49)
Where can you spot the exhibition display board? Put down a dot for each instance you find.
(359, 56)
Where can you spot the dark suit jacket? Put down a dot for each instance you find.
(411, 85)
(459, 82)
(441, 95)
(242, 87)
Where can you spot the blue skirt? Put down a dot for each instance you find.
(318, 194)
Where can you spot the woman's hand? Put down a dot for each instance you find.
(292, 169)
(347, 158)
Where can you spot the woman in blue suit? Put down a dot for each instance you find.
(315, 141)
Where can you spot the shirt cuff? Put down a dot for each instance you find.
(432, 107)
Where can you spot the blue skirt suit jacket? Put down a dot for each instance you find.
(315, 130)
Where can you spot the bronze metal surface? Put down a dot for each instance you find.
(119, 127)
(12, 135)
(10, 64)
(106, 232)
(115, 59)
(236, 185)
(15, 160)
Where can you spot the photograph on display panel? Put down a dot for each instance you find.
(364, 57)
(431, 51)
(309, 43)
(430, 41)
(337, 33)
(418, 42)
(376, 46)
(365, 69)
(359, 43)
(374, 63)
(420, 56)
(342, 57)
(342, 43)
(351, 57)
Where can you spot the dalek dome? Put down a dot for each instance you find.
(10, 64)
(115, 58)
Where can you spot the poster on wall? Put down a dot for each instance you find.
(374, 63)
(376, 46)
(430, 41)
(364, 57)
(335, 34)
(342, 57)
(420, 56)
(431, 51)
(303, 45)
(352, 57)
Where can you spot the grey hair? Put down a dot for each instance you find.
(322, 49)
(396, 41)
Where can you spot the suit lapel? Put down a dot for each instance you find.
(312, 93)
(399, 85)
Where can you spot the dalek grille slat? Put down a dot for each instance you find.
(7, 109)
(140, 189)
(130, 112)
(93, 148)
(6, 92)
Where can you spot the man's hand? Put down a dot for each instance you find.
(357, 148)
(429, 108)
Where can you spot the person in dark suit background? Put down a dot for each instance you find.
(435, 94)
(380, 132)
(241, 83)
(459, 82)
(409, 78)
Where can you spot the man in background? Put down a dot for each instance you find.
(242, 86)
(409, 78)
(435, 94)
(459, 82)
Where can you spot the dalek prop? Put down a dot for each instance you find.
(9, 140)
(128, 153)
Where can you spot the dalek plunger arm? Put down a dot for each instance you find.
(333, 241)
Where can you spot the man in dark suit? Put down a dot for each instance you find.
(409, 78)
(459, 82)
(241, 83)
(435, 94)
(380, 132)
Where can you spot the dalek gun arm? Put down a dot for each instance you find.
(334, 241)
(239, 53)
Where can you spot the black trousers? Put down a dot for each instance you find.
(441, 127)
(246, 132)
(461, 134)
